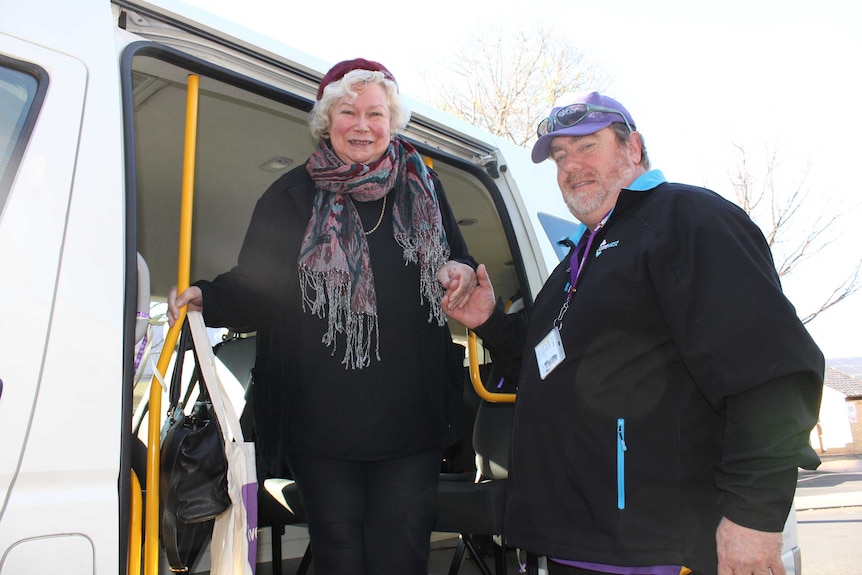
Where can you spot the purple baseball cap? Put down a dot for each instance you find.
(590, 123)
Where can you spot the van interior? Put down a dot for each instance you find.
(248, 135)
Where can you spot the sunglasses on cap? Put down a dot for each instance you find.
(572, 115)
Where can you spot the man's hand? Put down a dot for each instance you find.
(475, 310)
(744, 551)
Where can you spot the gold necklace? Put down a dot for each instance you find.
(379, 220)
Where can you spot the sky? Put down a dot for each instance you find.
(773, 76)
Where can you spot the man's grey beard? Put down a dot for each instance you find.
(582, 206)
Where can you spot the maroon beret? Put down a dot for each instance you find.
(338, 71)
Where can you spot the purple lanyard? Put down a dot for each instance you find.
(575, 271)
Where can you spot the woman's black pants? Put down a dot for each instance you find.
(369, 517)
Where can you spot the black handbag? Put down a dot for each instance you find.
(193, 477)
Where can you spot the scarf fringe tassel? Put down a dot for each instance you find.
(430, 289)
(359, 328)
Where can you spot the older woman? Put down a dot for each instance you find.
(342, 273)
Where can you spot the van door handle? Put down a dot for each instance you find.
(1, 388)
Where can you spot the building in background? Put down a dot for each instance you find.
(839, 431)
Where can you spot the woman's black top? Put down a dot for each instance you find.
(304, 399)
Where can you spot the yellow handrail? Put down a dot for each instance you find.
(476, 378)
(135, 516)
(151, 534)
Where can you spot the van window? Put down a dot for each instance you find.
(18, 91)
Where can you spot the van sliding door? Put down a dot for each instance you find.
(41, 102)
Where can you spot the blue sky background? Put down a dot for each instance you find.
(697, 77)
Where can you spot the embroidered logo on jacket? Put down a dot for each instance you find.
(605, 245)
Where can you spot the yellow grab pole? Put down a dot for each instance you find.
(135, 517)
(151, 540)
(476, 378)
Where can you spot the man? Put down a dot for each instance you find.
(667, 387)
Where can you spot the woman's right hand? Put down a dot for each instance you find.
(191, 297)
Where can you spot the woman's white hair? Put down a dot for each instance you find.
(321, 114)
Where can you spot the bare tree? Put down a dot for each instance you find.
(782, 212)
(504, 81)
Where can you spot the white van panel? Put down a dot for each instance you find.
(68, 554)
(62, 245)
(31, 234)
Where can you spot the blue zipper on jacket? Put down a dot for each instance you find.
(621, 463)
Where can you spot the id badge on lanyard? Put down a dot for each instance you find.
(549, 351)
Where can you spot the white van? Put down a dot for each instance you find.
(93, 99)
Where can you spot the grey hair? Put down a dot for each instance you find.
(321, 113)
(624, 135)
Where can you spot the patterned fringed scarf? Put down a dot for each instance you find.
(334, 266)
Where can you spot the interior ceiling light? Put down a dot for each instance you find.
(276, 164)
